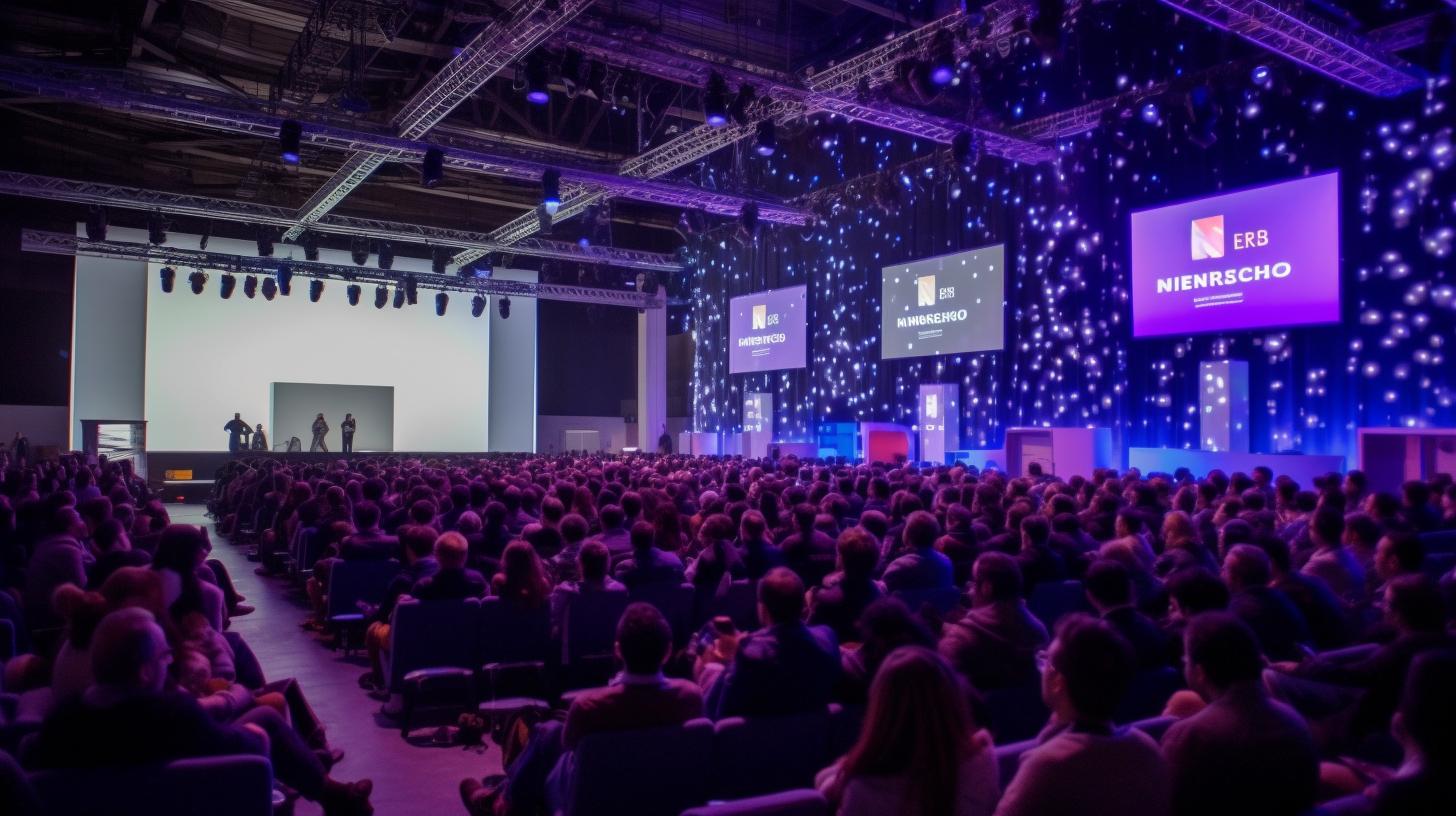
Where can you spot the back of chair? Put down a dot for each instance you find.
(1049, 601)
(1148, 694)
(674, 601)
(589, 624)
(651, 772)
(353, 581)
(1016, 713)
(220, 786)
(512, 633)
(432, 635)
(765, 754)
(808, 802)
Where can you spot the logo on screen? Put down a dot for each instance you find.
(1208, 238)
(932, 406)
(760, 316)
(925, 290)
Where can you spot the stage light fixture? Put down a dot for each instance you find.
(156, 229)
(942, 58)
(353, 294)
(290, 139)
(197, 280)
(265, 242)
(442, 301)
(398, 297)
(270, 288)
(96, 224)
(1149, 112)
(169, 279)
(477, 306)
(537, 91)
(1261, 75)
(738, 111)
(206, 234)
(715, 100)
(250, 286)
(551, 190)
(309, 240)
(315, 290)
(432, 168)
(543, 220)
(504, 307)
(285, 280)
(227, 285)
(386, 255)
(767, 142)
(440, 260)
(359, 250)
(381, 296)
(411, 290)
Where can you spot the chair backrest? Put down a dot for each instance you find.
(808, 802)
(1016, 713)
(432, 635)
(510, 633)
(221, 786)
(651, 772)
(942, 600)
(589, 624)
(1050, 600)
(1148, 694)
(760, 755)
(738, 602)
(674, 601)
(353, 581)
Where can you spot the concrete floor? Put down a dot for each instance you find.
(407, 779)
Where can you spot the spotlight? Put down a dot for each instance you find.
(228, 284)
(504, 307)
(359, 250)
(738, 111)
(290, 137)
(410, 292)
(381, 296)
(477, 306)
(315, 290)
(767, 142)
(197, 280)
(955, 190)
(1150, 113)
(1261, 75)
(551, 190)
(386, 255)
(942, 58)
(156, 229)
(432, 169)
(442, 301)
(169, 279)
(270, 288)
(310, 243)
(250, 286)
(206, 234)
(715, 100)
(439, 260)
(96, 224)
(537, 92)
(285, 280)
(265, 242)
(353, 293)
(398, 297)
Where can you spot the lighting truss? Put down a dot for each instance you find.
(315, 54)
(494, 48)
(58, 243)
(173, 102)
(110, 195)
(1343, 56)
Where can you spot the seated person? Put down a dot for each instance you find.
(923, 567)
(995, 644)
(640, 697)
(648, 564)
(759, 553)
(1275, 619)
(1109, 590)
(591, 564)
(453, 580)
(1425, 726)
(419, 563)
(851, 589)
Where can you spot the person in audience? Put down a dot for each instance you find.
(809, 551)
(648, 564)
(851, 589)
(1109, 591)
(58, 558)
(615, 533)
(592, 561)
(922, 567)
(759, 554)
(1415, 507)
(995, 644)
(1083, 765)
(919, 750)
(1397, 553)
(786, 667)
(522, 578)
(1425, 726)
(1274, 619)
(187, 583)
(1244, 752)
(574, 530)
(128, 717)
(1327, 619)
(1038, 561)
(419, 563)
(113, 550)
(1331, 562)
(452, 580)
(639, 697)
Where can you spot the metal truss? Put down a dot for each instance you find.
(1280, 27)
(58, 243)
(111, 195)
(493, 49)
(186, 105)
(315, 53)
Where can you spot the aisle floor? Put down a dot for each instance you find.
(407, 778)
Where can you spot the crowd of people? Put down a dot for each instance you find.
(1312, 638)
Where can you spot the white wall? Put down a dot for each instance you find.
(41, 424)
(551, 431)
(513, 370)
(108, 337)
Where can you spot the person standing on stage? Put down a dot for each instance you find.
(237, 429)
(347, 429)
(320, 427)
(260, 439)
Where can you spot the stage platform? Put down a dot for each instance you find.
(187, 476)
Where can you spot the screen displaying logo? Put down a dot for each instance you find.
(932, 406)
(1207, 238)
(760, 316)
(925, 290)
(768, 331)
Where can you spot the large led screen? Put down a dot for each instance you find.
(767, 330)
(1259, 258)
(945, 305)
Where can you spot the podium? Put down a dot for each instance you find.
(1064, 452)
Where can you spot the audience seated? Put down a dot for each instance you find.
(995, 644)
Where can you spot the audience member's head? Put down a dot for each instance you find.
(1221, 652)
(451, 550)
(644, 640)
(593, 560)
(574, 529)
(1088, 668)
(858, 553)
(129, 652)
(995, 578)
(921, 530)
(1246, 567)
(1399, 553)
(780, 597)
(1109, 585)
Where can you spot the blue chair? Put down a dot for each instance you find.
(1148, 694)
(589, 635)
(675, 602)
(1049, 601)
(1015, 713)
(760, 755)
(431, 646)
(787, 803)
(943, 601)
(352, 583)
(608, 774)
(239, 785)
(513, 642)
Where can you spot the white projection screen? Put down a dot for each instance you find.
(207, 358)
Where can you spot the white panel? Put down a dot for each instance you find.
(108, 336)
(513, 370)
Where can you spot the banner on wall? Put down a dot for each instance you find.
(949, 304)
(767, 330)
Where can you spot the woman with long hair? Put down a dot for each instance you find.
(181, 553)
(667, 532)
(919, 753)
(522, 578)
